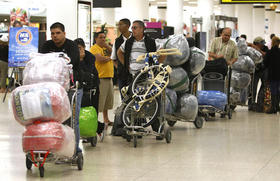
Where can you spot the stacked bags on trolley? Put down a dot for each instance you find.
(184, 67)
(242, 70)
(42, 105)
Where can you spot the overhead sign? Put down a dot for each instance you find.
(247, 1)
(22, 42)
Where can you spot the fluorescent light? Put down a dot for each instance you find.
(192, 2)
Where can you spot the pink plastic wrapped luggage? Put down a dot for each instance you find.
(50, 67)
(49, 136)
(40, 102)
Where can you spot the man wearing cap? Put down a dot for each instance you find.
(258, 44)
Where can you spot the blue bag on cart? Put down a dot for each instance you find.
(213, 98)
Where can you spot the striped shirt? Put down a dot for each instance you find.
(138, 48)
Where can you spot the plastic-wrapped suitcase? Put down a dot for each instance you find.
(49, 136)
(42, 101)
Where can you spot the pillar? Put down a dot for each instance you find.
(245, 15)
(269, 23)
(174, 15)
(135, 9)
(277, 23)
(258, 21)
(205, 9)
(108, 16)
(161, 12)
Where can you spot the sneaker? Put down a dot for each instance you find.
(101, 136)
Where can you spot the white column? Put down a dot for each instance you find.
(153, 13)
(277, 23)
(258, 21)
(161, 10)
(269, 19)
(228, 10)
(135, 9)
(174, 15)
(57, 12)
(205, 9)
(245, 16)
(108, 16)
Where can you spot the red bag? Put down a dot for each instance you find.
(49, 136)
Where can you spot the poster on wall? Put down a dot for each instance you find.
(22, 42)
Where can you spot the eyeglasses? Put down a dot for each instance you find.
(134, 27)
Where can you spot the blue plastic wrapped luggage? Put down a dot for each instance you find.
(170, 101)
(214, 98)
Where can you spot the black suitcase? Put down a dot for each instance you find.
(217, 65)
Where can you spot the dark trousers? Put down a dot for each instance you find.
(258, 75)
(275, 96)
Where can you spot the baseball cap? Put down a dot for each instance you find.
(259, 40)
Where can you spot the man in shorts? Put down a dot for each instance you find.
(105, 67)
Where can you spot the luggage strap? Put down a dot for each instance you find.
(33, 160)
(184, 80)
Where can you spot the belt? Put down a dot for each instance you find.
(106, 78)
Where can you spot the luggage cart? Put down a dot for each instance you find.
(199, 119)
(222, 85)
(39, 157)
(144, 99)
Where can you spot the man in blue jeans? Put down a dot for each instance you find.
(59, 43)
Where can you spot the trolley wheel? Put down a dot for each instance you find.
(198, 122)
(171, 123)
(80, 161)
(135, 141)
(41, 170)
(229, 114)
(232, 107)
(167, 135)
(28, 163)
(128, 138)
(93, 141)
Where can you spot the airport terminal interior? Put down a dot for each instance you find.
(243, 145)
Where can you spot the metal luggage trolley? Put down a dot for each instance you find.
(39, 157)
(144, 99)
(199, 119)
(216, 81)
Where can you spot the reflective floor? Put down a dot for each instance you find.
(245, 148)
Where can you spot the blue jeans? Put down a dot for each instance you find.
(77, 114)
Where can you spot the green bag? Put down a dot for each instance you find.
(88, 121)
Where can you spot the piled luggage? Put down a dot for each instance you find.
(180, 101)
(243, 68)
(42, 105)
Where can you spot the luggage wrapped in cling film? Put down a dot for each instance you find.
(188, 106)
(49, 136)
(197, 61)
(50, 67)
(40, 102)
(179, 80)
(170, 101)
(240, 80)
(255, 55)
(214, 98)
(244, 64)
(179, 42)
(242, 46)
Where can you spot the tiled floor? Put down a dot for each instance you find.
(245, 148)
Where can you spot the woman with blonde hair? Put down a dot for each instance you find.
(272, 62)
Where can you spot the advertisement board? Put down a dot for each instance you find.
(22, 42)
